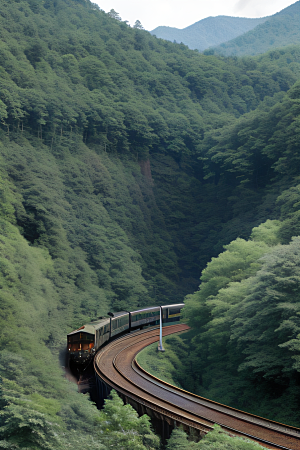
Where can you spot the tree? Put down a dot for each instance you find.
(220, 440)
(138, 25)
(266, 322)
(120, 426)
(112, 13)
(216, 439)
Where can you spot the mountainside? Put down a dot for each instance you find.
(208, 32)
(243, 349)
(127, 163)
(278, 31)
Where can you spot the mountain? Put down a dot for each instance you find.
(208, 32)
(278, 31)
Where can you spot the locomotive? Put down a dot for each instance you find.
(84, 342)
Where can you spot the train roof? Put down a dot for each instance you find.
(176, 305)
(119, 314)
(150, 308)
(91, 327)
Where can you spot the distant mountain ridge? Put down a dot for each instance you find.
(279, 30)
(208, 32)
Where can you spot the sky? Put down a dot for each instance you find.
(180, 14)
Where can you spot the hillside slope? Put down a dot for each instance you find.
(208, 32)
(278, 31)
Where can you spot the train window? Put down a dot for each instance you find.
(123, 320)
(172, 312)
(74, 347)
(80, 337)
(144, 315)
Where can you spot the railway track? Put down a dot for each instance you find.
(115, 364)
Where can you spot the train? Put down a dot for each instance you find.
(84, 342)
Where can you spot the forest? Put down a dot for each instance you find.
(129, 166)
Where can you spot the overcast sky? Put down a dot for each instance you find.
(180, 14)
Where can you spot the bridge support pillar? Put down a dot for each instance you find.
(103, 391)
(162, 424)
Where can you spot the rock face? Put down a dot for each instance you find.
(146, 169)
(208, 32)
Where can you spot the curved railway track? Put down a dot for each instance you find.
(115, 364)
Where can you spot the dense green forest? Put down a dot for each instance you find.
(278, 31)
(245, 334)
(127, 163)
(208, 32)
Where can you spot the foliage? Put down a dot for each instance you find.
(166, 366)
(260, 147)
(120, 426)
(66, 60)
(214, 440)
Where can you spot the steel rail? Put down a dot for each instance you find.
(105, 370)
(290, 430)
(117, 366)
(240, 415)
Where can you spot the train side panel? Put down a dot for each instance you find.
(102, 334)
(119, 323)
(146, 316)
(171, 313)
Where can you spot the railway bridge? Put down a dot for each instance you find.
(168, 406)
